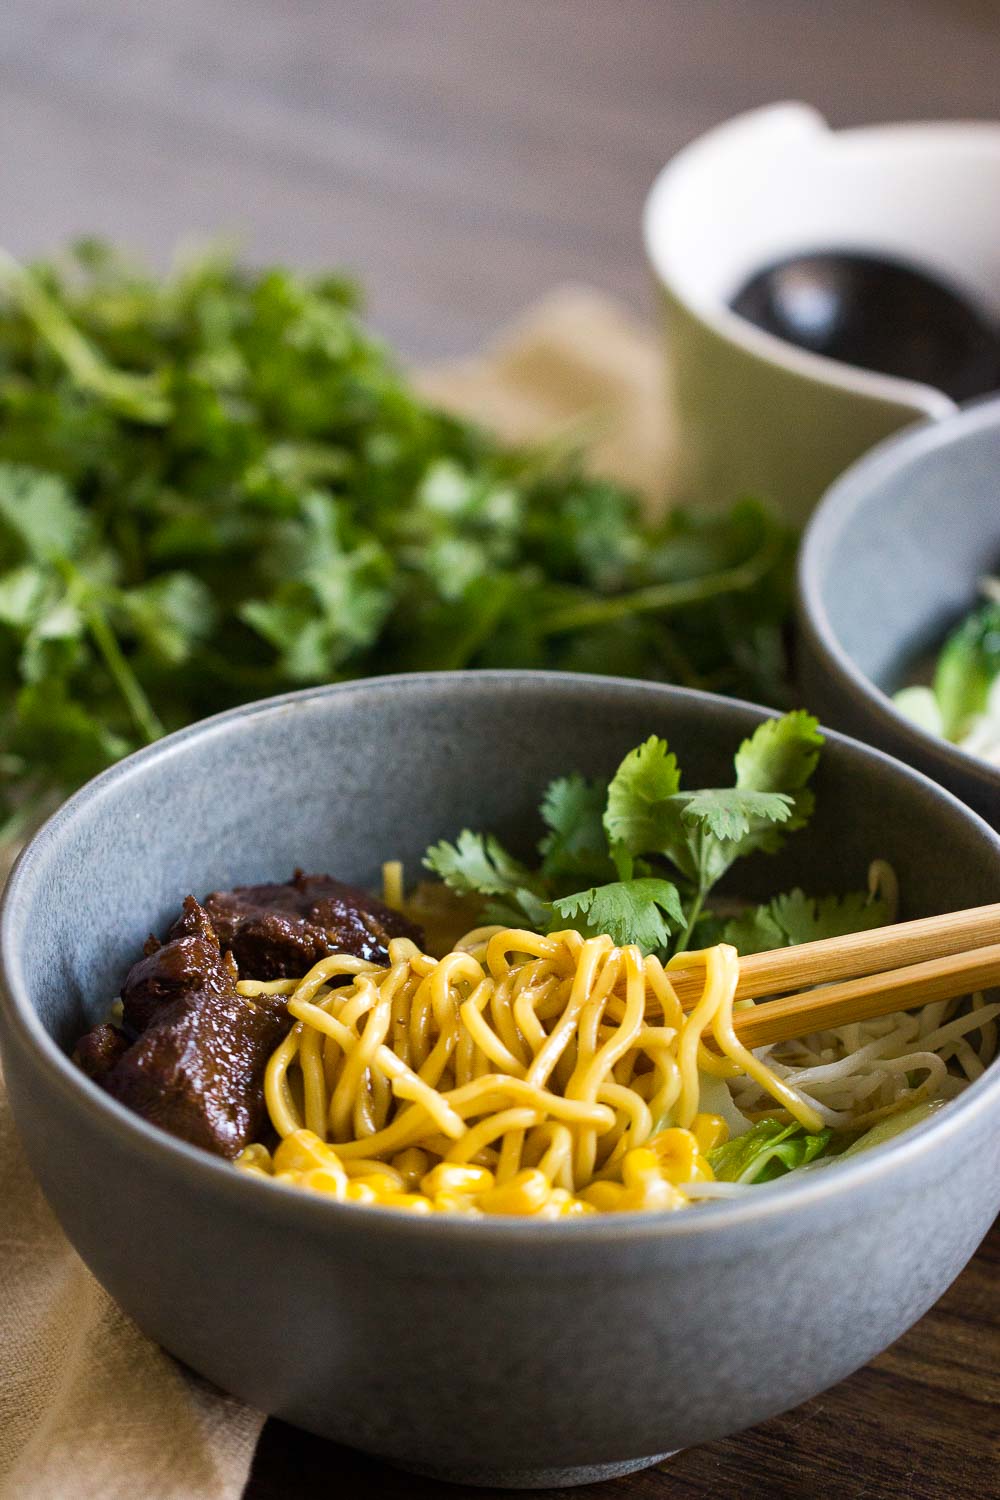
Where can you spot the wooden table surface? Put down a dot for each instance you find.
(463, 156)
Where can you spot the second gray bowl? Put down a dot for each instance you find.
(889, 563)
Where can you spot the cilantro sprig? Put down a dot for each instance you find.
(639, 856)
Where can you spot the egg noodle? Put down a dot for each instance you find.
(519, 1074)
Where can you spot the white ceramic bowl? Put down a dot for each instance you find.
(758, 415)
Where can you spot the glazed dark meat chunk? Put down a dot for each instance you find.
(280, 931)
(198, 1069)
(197, 1066)
(191, 1053)
(188, 962)
(100, 1049)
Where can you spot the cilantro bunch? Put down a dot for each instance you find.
(217, 485)
(638, 857)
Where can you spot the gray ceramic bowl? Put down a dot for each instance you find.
(493, 1352)
(889, 563)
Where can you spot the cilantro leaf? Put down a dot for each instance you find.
(641, 815)
(521, 909)
(333, 597)
(805, 919)
(754, 931)
(781, 756)
(39, 519)
(767, 1150)
(629, 911)
(24, 593)
(797, 918)
(702, 833)
(477, 863)
(74, 742)
(731, 813)
(572, 809)
(171, 615)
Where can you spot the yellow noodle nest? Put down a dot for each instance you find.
(549, 1076)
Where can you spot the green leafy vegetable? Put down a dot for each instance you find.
(781, 756)
(217, 485)
(769, 1149)
(798, 918)
(575, 846)
(641, 813)
(651, 852)
(966, 669)
(893, 1125)
(703, 833)
(629, 911)
(959, 705)
(479, 865)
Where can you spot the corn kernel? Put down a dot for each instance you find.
(255, 1158)
(456, 1203)
(654, 1194)
(301, 1151)
(701, 1171)
(603, 1196)
(359, 1191)
(639, 1166)
(562, 1205)
(675, 1150)
(413, 1202)
(379, 1184)
(323, 1180)
(525, 1193)
(452, 1177)
(709, 1131)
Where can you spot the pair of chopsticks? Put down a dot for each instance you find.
(881, 971)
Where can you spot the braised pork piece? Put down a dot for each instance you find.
(191, 1052)
(280, 931)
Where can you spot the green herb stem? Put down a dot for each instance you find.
(692, 916)
(144, 716)
(137, 395)
(662, 597)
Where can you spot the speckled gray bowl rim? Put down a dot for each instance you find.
(833, 515)
(289, 1205)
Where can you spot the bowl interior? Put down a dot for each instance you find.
(342, 778)
(895, 553)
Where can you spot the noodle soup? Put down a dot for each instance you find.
(530, 1067)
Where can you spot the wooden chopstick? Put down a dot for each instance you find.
(874, 995)
(874, 952)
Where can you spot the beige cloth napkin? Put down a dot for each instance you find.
(577, 367)
(89, 1408)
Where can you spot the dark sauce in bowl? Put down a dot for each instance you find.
(878, 313)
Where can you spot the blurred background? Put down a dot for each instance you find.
(460, 157)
